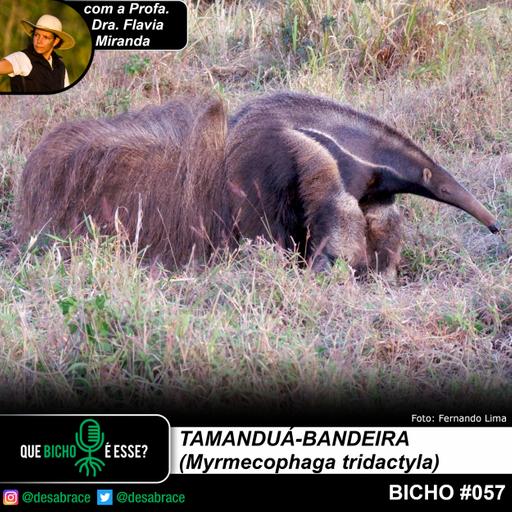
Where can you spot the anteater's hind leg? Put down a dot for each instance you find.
(383, 238)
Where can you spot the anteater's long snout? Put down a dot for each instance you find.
(468, 202)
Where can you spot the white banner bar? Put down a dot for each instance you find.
(342, 450)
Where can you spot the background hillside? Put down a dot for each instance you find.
(102, 329)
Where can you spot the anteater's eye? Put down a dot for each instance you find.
(445, 191)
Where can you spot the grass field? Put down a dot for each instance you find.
(101, 329)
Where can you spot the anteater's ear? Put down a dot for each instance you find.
(427, 175)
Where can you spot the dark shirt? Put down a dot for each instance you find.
(43, 77)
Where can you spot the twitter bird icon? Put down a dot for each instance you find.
(104, 496)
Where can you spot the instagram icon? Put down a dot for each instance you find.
(10, 497)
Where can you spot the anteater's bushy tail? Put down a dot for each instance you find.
(157, 176)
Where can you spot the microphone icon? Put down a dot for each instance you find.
(89, 439)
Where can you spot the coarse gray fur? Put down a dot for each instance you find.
(304, 171)
(353, 165)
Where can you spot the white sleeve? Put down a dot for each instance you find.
(20, 63)
(66, 79)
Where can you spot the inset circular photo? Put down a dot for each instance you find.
(45, 46)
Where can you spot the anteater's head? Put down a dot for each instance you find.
(438, 184)
(432, 182)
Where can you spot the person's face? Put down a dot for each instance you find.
(44, 42)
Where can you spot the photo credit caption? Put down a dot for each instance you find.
(144, 25)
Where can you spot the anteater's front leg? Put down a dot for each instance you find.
(338, 231)
(383, 238)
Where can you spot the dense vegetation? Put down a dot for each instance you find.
(102, 328)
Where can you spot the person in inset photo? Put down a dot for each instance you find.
(38, 68)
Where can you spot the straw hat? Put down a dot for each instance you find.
(51, 24)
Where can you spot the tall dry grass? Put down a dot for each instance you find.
(100, 328)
